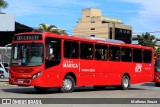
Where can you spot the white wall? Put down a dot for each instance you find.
(7, 22)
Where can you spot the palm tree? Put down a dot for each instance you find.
(62, 32)
(50, 28)
(47, 28)
(3, 4)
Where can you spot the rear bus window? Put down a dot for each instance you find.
(147, 56)
(137, 55)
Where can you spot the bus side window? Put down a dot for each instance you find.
(53, 52)
(114, 53)
(86, 51)
(137, 55)
(49, 52)
(71, 49)
(126, 54)
(101, 52)
(147, 56)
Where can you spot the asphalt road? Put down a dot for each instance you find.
(146, 90)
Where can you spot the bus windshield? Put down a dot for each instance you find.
(27, 54)
(157, 65)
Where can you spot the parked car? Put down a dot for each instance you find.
(4, 69)
(1, 75)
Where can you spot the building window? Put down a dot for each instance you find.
(92, 35)
(110, 33)
(122, 34)
(120, 30)
(128, 32)
(92, 21)
(92, 28)
(116, 30)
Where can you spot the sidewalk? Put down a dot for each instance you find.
(4, 82)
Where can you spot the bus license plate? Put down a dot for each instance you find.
(20, 81)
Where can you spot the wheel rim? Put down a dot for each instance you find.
(126, 82)
(67, 84)
(2, 77)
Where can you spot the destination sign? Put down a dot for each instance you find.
(28, 37)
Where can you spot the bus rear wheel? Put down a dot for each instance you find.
(99, 87)
(40, 89)
(125, 83)
(68, 84)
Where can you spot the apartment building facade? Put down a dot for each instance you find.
(94, 24)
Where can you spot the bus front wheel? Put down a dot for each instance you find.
(68, 84)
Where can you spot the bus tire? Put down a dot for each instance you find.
(2, 76)
(40, 89)
(157, 84)
(68, 84)
(99, 87)
(125, 83)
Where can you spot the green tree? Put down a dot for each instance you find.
(3, 4)
(50, 28)
(147, 40)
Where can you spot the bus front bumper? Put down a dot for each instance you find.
(25, 82)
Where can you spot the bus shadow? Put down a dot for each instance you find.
(55, 90)
(29, 91)
(137, 89)
(152, 84)
(87, 89)
(106, 89)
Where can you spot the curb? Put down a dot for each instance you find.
(4, 83)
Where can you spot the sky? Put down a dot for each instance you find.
(142, 15)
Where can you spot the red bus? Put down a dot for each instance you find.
(46, 60)
(157, 71)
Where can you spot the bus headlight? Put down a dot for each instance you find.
(37, 75)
